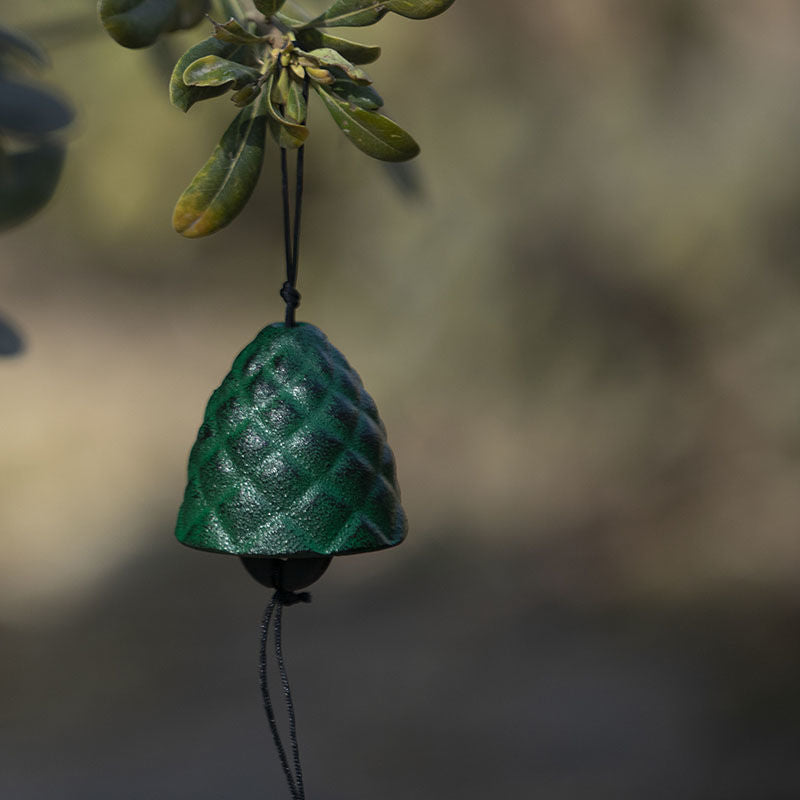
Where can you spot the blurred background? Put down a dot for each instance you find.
(583, 334)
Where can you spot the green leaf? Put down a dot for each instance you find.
(223, 186)
(16, 44)
(11, 343)
(355, 13)
(327, 57)
(419, 9)
(372, 133)
(282, 136)
(232, 31)
(351, 92)
(216, 71)
(246, 95)
(27, 110)
(28, 180)
(279, 93)
(289, 22)
(286, 133)
(268, 7)
(296, 108)
(183, 96)
(137, 23)
(189, 13)
(355, 53)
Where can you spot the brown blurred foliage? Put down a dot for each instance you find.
(583, 332)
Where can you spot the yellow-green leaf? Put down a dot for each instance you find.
(372, 133)
(279, 94)
(223, 186)
(328, 57)
(296, 106)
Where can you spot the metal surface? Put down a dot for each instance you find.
(292, 458)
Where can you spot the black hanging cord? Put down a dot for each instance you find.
(287, 693)
(291, 238)
(293, 773)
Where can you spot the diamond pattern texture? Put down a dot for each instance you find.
(291, 458)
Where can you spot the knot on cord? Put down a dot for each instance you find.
(290, 295)
(287, 598)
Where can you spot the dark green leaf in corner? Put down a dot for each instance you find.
(28, 180)
(28, 110)
(224, 185)
(355, 53)
(356, 13)
(268, 7)
(137, 23)
(372, 133)
(11, 343)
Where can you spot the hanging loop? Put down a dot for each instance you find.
(291, 232)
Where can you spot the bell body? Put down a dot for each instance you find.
(291, 460)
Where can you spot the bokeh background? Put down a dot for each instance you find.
(583, 333)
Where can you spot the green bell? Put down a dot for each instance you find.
(291, 462)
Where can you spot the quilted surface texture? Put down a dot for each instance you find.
(291, 458)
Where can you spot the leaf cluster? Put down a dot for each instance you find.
(31, 116)
(268, 61)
